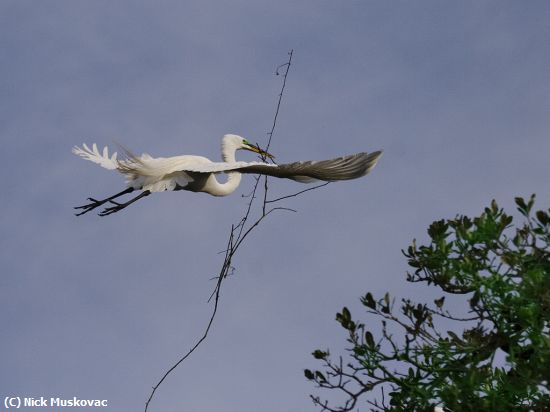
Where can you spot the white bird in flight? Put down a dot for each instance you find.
(198, 174)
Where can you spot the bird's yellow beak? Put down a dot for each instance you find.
(257, 149)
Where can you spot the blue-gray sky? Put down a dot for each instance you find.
(456, 93)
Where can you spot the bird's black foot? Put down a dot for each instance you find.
(119, 206)
(96, 203)
(90, 206)
(113, 209)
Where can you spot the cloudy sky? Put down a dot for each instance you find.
(456, 93)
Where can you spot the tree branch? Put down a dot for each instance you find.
(237, 235)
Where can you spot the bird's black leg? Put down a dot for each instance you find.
(96, 203)
(119, 206)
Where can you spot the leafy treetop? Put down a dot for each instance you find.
(503, 272)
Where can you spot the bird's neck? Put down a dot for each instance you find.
(233, 178)
(228, 156)
(223, 189)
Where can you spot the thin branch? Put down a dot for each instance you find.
(270, 134)
(287, 64)
(233, 243)
(222, 275)
(297, 193)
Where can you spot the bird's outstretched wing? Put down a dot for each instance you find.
(341, 168)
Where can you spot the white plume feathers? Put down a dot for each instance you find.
(93, 155)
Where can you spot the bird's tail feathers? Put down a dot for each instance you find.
(93, 155)
(133, 165)
(153, 174)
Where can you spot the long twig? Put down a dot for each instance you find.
(223, 273)
(297, 193)
(287, 65)
(236, 237)
(270, 134)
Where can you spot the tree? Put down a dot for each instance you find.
(498, 356)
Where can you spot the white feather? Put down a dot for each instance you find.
(93, 155)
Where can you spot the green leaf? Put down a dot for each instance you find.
(522, 206)
(344, 318)
(506, 220)
(438, 230)
(543, 217)
(308, 374)
(369, 301)
(346, 314)
(369, 339)
(531, 202)
(525, 208)
(386, 307)
(319, 354)
(439, 302)
(319, 376)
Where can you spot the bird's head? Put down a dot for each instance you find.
(238, 142)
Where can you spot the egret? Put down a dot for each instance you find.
(198, 174)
